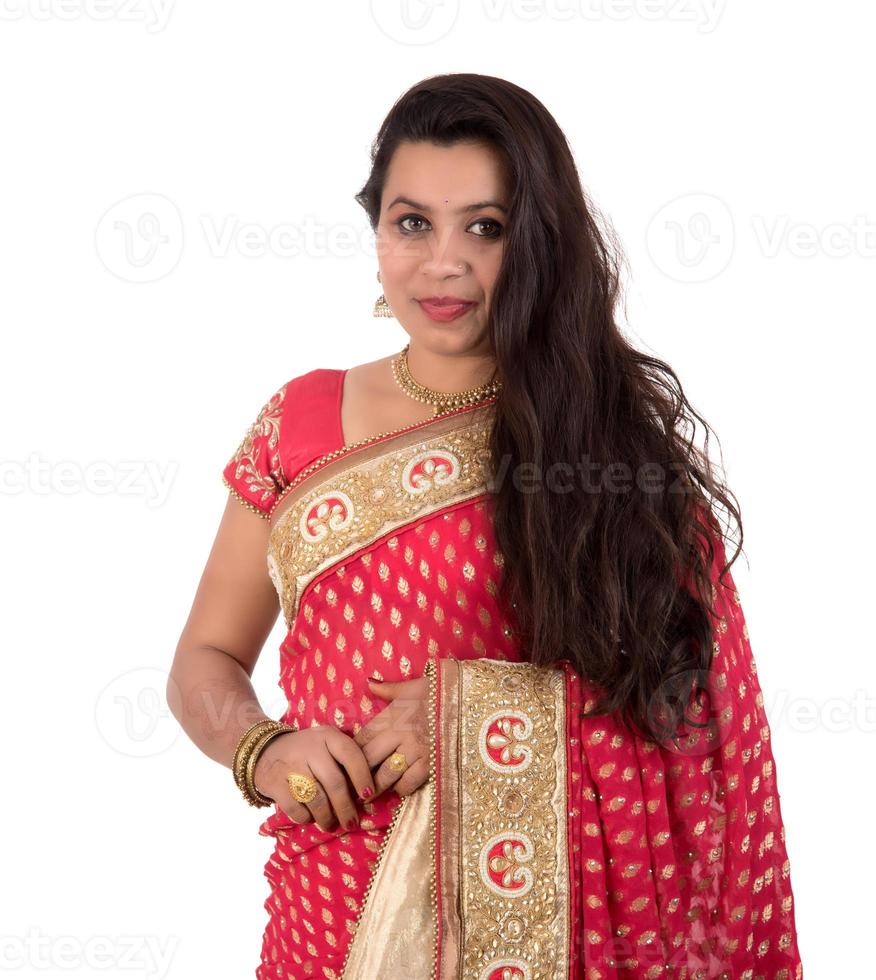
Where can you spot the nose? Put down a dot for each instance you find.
(445, 256)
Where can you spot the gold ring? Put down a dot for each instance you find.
(397, 762)
(302, 788)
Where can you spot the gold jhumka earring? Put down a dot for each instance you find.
(381, 307)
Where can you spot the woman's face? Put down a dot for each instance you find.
(441, 236)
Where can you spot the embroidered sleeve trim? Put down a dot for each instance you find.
(255, 472)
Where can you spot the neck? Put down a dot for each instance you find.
(450, 372)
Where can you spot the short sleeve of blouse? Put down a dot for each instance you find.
(254, 474)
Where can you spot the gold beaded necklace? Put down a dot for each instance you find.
(442, 400)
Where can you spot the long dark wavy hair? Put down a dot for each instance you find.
(616, 581)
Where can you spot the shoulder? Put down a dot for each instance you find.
(297, 422)
(369, 386)
(370, 377)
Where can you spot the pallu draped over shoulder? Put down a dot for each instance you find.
(545, 846)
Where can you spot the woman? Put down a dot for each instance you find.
(524, 735)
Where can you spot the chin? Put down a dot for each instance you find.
(439, 339)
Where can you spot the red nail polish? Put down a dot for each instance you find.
(366, 793)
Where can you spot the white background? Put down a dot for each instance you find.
(729, 143)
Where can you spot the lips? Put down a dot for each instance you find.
(446, 301)
(445, 308)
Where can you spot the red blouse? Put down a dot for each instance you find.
(299, 423)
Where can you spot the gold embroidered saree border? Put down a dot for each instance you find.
(353, 501)
(345, 450)
(472, 878)
(446, 790)
(503, 843)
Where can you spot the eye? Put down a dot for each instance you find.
(495, 233)
(410, 217)
(494, 229)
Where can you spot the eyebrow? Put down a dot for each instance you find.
(464, 210)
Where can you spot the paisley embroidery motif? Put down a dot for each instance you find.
(502, 741)
(504, 864)
(332, 512)
(430, 469)
(506, 969)
(256, 461)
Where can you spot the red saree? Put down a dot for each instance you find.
(544, 845)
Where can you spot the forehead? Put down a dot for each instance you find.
(459, 173)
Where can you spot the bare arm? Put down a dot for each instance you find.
(234, 609)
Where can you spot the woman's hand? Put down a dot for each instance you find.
(333, 759)
(402, 726)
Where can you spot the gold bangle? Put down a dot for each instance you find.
(247, 763)
(244, 747)
(253, 795)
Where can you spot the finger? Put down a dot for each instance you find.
(413, 777)
(320, 808)
(387, 776)
(297, 812)
(387, 690)
(395, 689)
(337, 789)
(305, 812)
(353, 759)
(379, 723)
(405, 708)
(379, 748)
